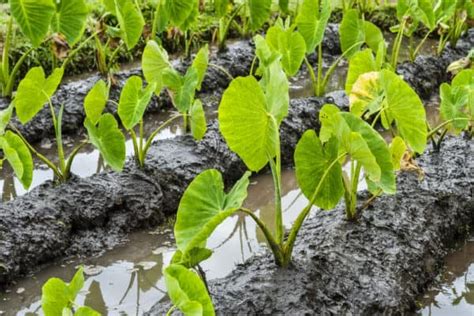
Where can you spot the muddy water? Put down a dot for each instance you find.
(128, 279)
(455, 293)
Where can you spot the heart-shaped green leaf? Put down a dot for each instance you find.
(108, 139)
(352, 32)
(312, 21)
(155, 62)
(260, 11)
(131, 22)
(133, 101)
(33, 17)
(70, 19)
(179, 10)
(95, 101)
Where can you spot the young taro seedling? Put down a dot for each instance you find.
(58, 297)
(181, 88)
(36, 90)
(457, 107)
(354, 32)
(66, 19)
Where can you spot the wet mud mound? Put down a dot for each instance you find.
(376, 266)
(89, 215)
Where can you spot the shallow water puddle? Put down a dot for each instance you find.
(455, 294)
(128, 280)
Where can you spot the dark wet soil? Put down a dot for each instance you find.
(376, 266)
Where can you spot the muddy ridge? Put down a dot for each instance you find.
(377, 266)
(424, 75)
(88, 215)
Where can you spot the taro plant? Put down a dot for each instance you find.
(457, 13)
(58, 297)
(457, 107)
(128, 29)
(36, 90)
(354, 32)
(181, 88)
(65, 19)
(250, 115)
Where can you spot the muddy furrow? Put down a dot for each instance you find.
(376, 266)
(89, 215)
(425, 75)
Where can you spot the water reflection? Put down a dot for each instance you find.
(455, 294)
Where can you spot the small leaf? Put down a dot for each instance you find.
(198, 120)
(312, 161)
(133, 102)
(86, 311)
(76, 284)
(312, 22)
(362, 62)
(200, 63)
(108, 139)
(55, 297)
(34, 91)
(397, 149)
(183, 89)
(154, 63)
(453, 106)
(352, 32)
(187, 291)
(95, 101)
(18, 156)
(5, 117)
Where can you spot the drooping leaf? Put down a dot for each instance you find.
(397, 149)
(70, 19)
(95, 101)
(385, 91)
(18, 156)
(352, 32)
(187, 291)
(312, 22)
(290, 45)
(131, 22)
(203, 206)
(108, 139)
(247, 123)
(182, 88)
(33, 17)
(34, 91)
(260, 11)
(312, 161)
(133, 101)
(200, 63)
(198, 120)
(154, 63)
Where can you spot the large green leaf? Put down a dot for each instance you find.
(260, 11)
(312, 23)
(155, 61)
(179, 10)
(182, 88)
(203, 206)
(96, 100)
(247, 123)
(131, 22)
(18, 155)
(352, 32)
(108, 139)
(133, 101)
(34, 91)
(187, 291)
(312, 161)
(70, 19)
(200, 63)
(389, 94)
(290, 45)
(198, 120)
(33, 17)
